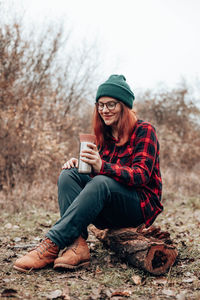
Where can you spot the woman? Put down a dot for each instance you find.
(124, 189)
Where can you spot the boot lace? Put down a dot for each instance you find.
(44, 246)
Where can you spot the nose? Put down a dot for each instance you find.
(105, 108)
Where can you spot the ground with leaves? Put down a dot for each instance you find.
(107, 277)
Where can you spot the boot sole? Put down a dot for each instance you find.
(71, 267)
(21, 270)
(29, 270)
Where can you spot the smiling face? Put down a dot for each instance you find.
(109, 110)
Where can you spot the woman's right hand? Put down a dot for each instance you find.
(72, 163)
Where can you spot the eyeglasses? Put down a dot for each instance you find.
(109, 105)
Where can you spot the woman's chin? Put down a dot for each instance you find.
(108, 122)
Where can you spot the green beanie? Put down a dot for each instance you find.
(116, 87)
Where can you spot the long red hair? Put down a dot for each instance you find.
(126, 122)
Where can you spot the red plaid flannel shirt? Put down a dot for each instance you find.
(136, 164)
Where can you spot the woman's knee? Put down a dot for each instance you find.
(102, 180)
(64, 176)
(110, 184)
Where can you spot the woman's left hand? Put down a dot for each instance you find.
(92, 157)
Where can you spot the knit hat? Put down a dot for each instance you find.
(116, 87)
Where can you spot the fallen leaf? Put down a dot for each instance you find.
(95, 293)
(181, 296)
(46, 224)
(160, 281)
(6, 280)
(98, 270)
(124, 266)
(136, 279)
(83, 277)
(121, 293)
(15, 227)
(9, 293)
(188, 274)
(8, 226)
(65, 293)
(54, 294)
(189, 280)
(168, 292)
(17, 239)
(107, 259)
(111, 265)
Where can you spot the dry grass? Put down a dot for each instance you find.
(107, 275)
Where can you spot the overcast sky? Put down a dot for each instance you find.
(149, 41)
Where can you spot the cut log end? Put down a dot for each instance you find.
(149, 249)
(160, 258)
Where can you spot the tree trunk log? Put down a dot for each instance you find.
(150, 249)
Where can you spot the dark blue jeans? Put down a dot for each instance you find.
(101, 201)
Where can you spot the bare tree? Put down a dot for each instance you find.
(42, 85)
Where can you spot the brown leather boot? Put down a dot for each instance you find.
(76, 256)
(44, 254)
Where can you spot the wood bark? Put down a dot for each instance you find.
(150, 249)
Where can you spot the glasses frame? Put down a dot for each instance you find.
(106, 104)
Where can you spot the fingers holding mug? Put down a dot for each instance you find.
(72, 163)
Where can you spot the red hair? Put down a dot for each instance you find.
(126, 122)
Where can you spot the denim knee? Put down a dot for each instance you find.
(99, 179)
(102, 184)
(106, 182)
(63, 177)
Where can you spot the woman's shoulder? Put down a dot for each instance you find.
(143, 129)
(140, 124)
